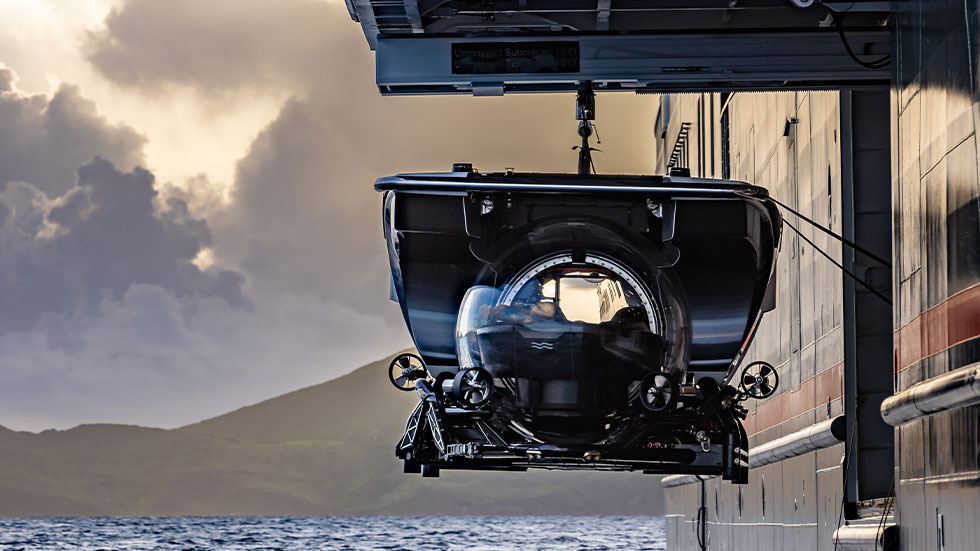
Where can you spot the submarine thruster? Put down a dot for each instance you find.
(571, 321)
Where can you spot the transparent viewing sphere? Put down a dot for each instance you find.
(568, 342)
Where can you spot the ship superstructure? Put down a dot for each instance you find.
(871, 440)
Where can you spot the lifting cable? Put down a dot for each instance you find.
(839, 265)
(842, 239)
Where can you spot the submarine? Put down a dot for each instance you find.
(579, 321)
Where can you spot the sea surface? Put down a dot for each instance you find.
(542, 533)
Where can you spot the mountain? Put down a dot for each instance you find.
(323, 450)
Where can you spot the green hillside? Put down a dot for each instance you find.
(325, 449)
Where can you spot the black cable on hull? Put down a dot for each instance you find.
(843, 240)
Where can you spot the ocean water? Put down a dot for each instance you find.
(544, 533)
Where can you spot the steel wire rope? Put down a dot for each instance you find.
(840, 238)
(853, 276)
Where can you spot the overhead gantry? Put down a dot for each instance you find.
(492, 47)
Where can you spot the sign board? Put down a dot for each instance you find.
(494, 58)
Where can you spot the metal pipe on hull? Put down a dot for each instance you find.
(866, 537)
(815, 437)
(957, 389)
(682, 479)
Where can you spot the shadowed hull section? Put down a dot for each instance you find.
(934, 328)
(791, 144)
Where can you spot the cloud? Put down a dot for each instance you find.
(223, 45)
(6, 80)
(106, 316)
(107, 233)
(43, 140)
(303, 216)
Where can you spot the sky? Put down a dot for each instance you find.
(187, 218)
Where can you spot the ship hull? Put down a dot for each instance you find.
(902, 160)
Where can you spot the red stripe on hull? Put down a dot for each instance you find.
(955, 320)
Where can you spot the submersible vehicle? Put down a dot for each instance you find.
(576, 321)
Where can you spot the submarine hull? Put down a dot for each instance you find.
(607, 316)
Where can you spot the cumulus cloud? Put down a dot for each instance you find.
(105, 234)
(303, 216)
(44, 140)
(6, 80)
(224, 45)
(105, 316)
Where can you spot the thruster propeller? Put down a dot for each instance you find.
(759, 380)
(405, 370)
(473, 387)
(658, 392)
